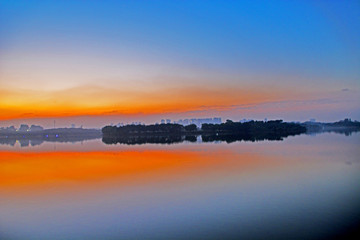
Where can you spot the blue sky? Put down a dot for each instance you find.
(310, 46)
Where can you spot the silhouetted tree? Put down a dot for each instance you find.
(191, 128)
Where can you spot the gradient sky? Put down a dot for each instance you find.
(100, 62)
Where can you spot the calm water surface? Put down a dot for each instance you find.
(305, 187)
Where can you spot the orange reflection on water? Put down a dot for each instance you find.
(37, 168)
(30, 168)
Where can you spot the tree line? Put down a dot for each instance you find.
(229, 131)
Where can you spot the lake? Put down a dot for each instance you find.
(304, 187)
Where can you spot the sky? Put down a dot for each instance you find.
(93, 63)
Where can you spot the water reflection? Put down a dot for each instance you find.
(172, 139)
(36, 142)
(26, 141)
(343, 131)
(299, 188)
(144, 139)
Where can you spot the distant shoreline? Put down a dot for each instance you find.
(168, 133)
(50, 135)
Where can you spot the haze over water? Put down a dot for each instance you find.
(304, 187)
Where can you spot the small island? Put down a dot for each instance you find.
(229, 131)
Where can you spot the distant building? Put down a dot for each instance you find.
(245, 120)
(162, 121)
(198, 121)
(168, 121)
(35, 128)
(10, 129)
(217, 120)
(23, 128)
(72, 125)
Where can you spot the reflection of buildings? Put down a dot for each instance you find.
(24, 142)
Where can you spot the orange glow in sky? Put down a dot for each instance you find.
(99, 101)
(92, 100)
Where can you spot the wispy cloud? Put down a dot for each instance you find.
(91, 100)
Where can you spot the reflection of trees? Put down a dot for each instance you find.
(172, 139)
(191, 138)
(143, 139)
(24, 142)
(35, 142)
(246, 137)
(7, 141)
